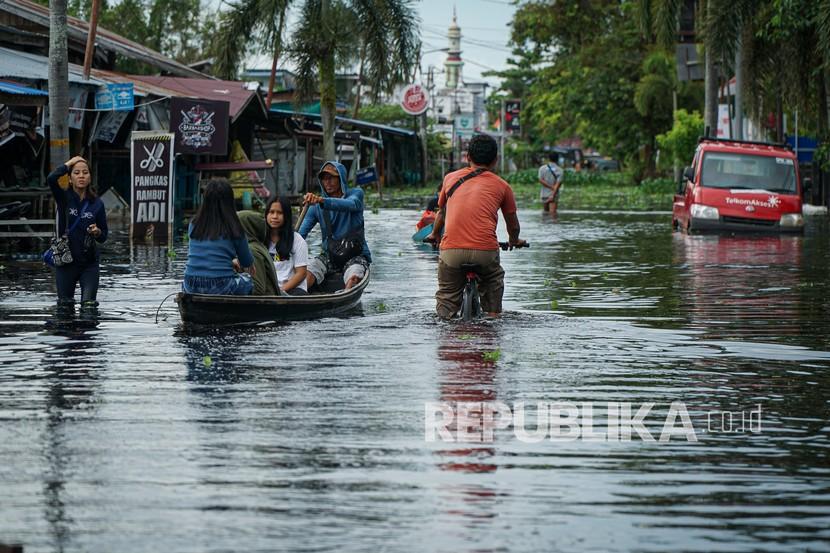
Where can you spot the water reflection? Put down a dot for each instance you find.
(310, 435)
(72, 386)
(468, 353)
(468, 361)
(741, 286)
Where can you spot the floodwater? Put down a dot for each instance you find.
(121, 434)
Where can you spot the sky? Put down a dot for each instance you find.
(484, 34)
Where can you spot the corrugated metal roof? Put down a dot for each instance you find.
(140, 88)
(233, 92)
(11, 88)
(78, 29)
(22, 65)
(355, 122)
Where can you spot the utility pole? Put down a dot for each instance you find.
(277, 50)
(328, 92)
(58, 85)
(739, 78)
(501, 138)
(90, 38)
(675, 165)
(424, 154)
(710, 111)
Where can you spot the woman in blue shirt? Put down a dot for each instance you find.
(217, 240)
(82, 217)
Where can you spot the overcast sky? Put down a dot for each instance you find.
(484, 36)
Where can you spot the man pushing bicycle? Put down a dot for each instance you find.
(469, 202)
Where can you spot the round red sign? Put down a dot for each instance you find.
(414, 99)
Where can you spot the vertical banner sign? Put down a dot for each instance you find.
(512, 113)
(152, 185)
(201, 126)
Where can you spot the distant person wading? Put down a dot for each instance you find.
(550, 178)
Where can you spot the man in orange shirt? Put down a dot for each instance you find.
(469, 202)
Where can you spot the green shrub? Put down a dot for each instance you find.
(678, 145)
(657, 186)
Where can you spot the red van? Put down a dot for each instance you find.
(740, 186)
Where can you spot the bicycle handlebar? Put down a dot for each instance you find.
(507, 246)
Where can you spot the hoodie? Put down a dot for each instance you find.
(346, 213)
(256, 231)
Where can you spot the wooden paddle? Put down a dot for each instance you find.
(299, 222)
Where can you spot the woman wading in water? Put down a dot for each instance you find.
(83, 218)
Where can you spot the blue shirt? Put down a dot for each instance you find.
(214, 258)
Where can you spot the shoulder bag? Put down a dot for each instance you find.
(464, 179)
(347, 247)
(58, 254)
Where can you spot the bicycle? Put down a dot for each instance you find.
(470, 300)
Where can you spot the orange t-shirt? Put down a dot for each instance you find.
(471, 214)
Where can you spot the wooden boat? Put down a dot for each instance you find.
(205, 309)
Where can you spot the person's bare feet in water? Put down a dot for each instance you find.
(353, 280)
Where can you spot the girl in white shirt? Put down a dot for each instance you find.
(288, 249)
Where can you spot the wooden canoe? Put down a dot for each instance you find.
(212, 310)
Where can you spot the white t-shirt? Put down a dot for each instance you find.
(551, 173)
(299, 258)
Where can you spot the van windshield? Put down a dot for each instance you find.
(751, 172)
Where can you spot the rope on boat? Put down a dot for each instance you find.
(162, 303)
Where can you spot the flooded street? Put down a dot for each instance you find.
(120, 434)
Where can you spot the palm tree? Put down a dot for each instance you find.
(249, 22)
(782, 50)
(719, 22)
(58, 84)
(330, 33)
(823, 33)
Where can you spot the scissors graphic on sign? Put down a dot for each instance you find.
(153, 160)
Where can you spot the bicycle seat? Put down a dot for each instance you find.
(470, 267)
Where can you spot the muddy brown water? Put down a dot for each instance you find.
(119, 434)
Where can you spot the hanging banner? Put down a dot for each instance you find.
(109, 125)
(724, 128)
(77, 103)
(201, 126)
(152, 185)
(115, 96)
(6, 132)
(24, 120)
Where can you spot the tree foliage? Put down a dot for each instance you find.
(678, 144)
(180, 29)
(380, 34)
(785, 46)
(585, 70)
(603, 70)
